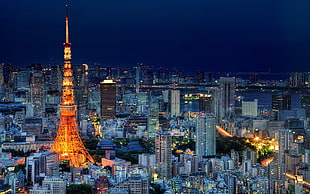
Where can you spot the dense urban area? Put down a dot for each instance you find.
(93, 128)
(156, 130)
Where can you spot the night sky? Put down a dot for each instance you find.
(209, 35)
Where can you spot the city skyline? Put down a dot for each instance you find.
(205, 35)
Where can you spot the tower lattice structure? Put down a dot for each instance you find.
(68, 143)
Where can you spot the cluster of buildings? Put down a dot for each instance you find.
(164, 107)
(270, 111)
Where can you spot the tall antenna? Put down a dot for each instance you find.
(67, 25)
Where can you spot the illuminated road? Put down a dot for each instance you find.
(267, 161)
(223, 132)
(294, 177)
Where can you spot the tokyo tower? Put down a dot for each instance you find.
(68, 143)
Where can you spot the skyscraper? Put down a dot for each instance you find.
(285, 138)
(174, 104)
(227, 85)
(281, 102)
(205, 135)
(163, 154)
(108, 99)
(68, 142)
(153, 119)
(38, 93)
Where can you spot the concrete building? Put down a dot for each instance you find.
(205, 135)
(249, 108)
(227, 85)
(174, 103)
(163, 141)
(108, 99)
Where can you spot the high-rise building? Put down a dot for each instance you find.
(276, 177)
(250, 108)
(137, 79)
(37, 93)
(205, 135)
(174, 104)
(281, 102)
(23, 78)
(163, 141)
(143, 102)
(227, 85)
(68, 142)
(80, 81)
(108, 99)
(37, 167)
(56, 78)
(285, 138)
(153, 119)
(206, 104)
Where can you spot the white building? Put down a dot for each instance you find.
(249, 108)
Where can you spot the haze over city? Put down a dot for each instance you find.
(223, 35)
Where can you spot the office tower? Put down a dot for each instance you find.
(143, 102)
(80, 81)
(174, 104)
(285, 138)
(153, 119)
(138, 69)
(206, 103)
(276, 177)
(249, 108)
(108, 99)
(68, 142)
(35, 168)
(37, 93)
(205, 135)
(227, 85)
(56, 78)
(281, 102)
(23, 80)
(217, 104)
(55, 184)
(163, 141)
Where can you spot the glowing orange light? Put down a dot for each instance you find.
(68, 143)
(223, 132)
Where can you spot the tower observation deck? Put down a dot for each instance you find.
(68, 143)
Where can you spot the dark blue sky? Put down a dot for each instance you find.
(209, 35)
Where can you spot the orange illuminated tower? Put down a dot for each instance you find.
(68, 142)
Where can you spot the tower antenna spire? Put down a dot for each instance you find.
(68, 143)
(67, 25)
